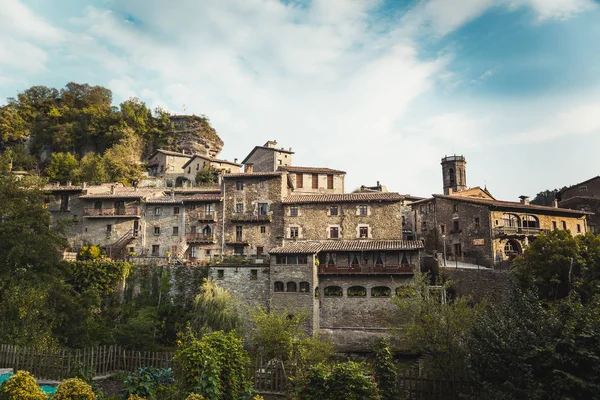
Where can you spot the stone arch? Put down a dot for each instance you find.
(511, 220)
(278, 286)
(333, 291)
(381, 291)
(356, 291)
(530, 221)
(512, 248)
(291, 286)
(304, 287)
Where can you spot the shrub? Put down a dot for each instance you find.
(74, 389)
(147, 381)
(386, 373)
(195, 396)
(344, 381)
(214, 366)
(135, 397)
(21, 386)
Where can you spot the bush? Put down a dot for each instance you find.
(195, 396)
(386, 373)
(146, 382)
(135, 397)
(74, 389)
(343, 381)
(21, 386)
(214, 366)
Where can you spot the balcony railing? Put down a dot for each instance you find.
(111, 212)
(199, 238)
(518, 231)
(367, 269)
(251, 217)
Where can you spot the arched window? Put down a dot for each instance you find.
(357, 291)
(381, 291)
(207, 230)
(304, 287)
(333, 291)
(511, 220)
(531, 221)
(278, 287)
(291, 287)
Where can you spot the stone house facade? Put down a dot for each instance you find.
(198, 162)
(167, 164)
(310, 180)
(584, 196)
(268, 158)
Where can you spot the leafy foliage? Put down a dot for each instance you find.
(386, 373)
(146, 381)
(214, 366)
(214, 310)
(342, 381)
(21, 386)
(62, 167)
(74, 389)
(545, 198)
(207, 175)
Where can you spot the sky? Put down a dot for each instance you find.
(382, 89)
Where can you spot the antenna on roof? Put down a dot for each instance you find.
(184, 108)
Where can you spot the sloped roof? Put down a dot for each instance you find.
(577, 184)
(313, 247)
(343, 198)
(203, 197)
(310, 170)
(267, 148)
(170, 153)
(253, 174)
(512, 205)
(218, 160)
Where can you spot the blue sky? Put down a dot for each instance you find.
(382, 89)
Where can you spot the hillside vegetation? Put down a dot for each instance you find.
(77, 134)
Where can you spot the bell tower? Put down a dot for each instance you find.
(454, 173)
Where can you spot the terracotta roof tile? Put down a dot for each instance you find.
(253, 174)
(309, 170)
(343, 198)
(113, 196)
(203, 197)
(313, 247)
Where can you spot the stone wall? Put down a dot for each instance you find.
(590, 188)
(238, 279)
(493, 285)
(165, 221)
(384, 220)
(307, 188)
(263, 160)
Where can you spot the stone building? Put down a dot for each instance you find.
(311, 180)
(268, 158)
(167, 164)
(470, 225)
(584, 196)
(198, 162)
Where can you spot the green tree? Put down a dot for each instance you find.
(91, 170)
(207, 175)
(545, 198)
(386, 373)
(557, 263)
(12, 126)
(214, 310)
(123, 160)
(17, 158)
(62, 167)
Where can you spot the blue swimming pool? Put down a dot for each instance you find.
(49, 390)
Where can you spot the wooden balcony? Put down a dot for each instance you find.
(123, 212)
(339, 269)
(199, 238)
(518, 231)
(251, 217)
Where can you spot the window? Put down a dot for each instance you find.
(363, 232)
(157, 210)
(175, 210)
(381, 291)
(197, 167)
(455, 226)
(98, 205)
(299, 181)
(193, 229)
(293, 232)
(238, 233)
(363, 210)
(430, 206)
(207, 231)
(554, 225)
(403, 220)
(329, 181)
(583, 189)
(293, 211)
(220, 273)
(239, 208)
(64, 202)
(189, 170)
(155, 249)
(333, 291)
(333, 210)
(455, 208)
(263, 208)
(292, 260)
(239, 185)
(304, 287)
(424, 225)
(193, 252)
(302, 259)
(290, 287)
(476, 222)
(279, 162)
(175, 230)
(156, 230)
(334, 232)
(209, 209)
(278, 287)
(442, 229)
(357, 291)
(578, 228)
(315, 181)
(263, 229)
(253, 274)
(262, 184)
(564, 225)
(259, 250)
(109, 229)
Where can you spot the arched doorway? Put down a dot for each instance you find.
(512, 248)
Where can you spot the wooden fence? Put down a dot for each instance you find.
(421, 386)
(56, 364)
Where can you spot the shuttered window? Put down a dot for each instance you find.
(299, 181)
(329, 181)
(315, 181)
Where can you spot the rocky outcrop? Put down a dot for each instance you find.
(193, 134)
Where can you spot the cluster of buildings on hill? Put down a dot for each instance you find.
(290, 237)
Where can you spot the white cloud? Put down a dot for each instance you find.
(556, 9)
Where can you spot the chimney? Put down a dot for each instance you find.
(290, 149)
(83, 185)
(249, 168)
(172, 194)
(555, 203)
(524, 199)
(69, 183)
(235, 160)
(112, 189)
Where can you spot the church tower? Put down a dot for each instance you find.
(454, 173)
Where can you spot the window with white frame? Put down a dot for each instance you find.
(363, 231)
(293, 211)
(334, 232)
(294, 232)
(333, 211)
(363, 209)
